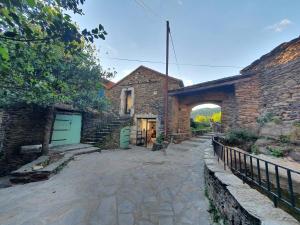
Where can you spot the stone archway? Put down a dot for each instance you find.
(182, 104)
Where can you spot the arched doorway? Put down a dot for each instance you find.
(206, 118)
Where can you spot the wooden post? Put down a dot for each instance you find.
(47, 130)
(166, 86)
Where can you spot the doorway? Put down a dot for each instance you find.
(146, 132)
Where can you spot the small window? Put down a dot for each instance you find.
(128, 101)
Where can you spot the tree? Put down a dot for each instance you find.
(49, 61)
(201, 119)
(39, 20)
(216, 117)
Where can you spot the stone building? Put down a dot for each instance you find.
(140, 96)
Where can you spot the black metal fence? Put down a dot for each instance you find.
(276, 181)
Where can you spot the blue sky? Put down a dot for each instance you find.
(210, 32)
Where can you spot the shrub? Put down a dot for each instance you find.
(276, 151)
(267, 117)
(240, 136)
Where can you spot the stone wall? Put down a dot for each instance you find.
(3, 118)
(237, 202)
(281, 91)
(225, 203)
(22, 125)
(247, 102)
(278, 75)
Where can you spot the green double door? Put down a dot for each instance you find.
(66, 129)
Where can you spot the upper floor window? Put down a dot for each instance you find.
(128, 102)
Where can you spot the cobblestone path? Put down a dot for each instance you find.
(122, 187)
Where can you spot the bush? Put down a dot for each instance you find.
(276, 151)
(241, 138)
(264, 119)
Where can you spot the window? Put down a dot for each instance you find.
(128, 102)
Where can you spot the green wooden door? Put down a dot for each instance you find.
(66, 129)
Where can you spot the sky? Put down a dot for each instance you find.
(230, 33)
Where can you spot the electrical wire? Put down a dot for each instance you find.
(181, 64)
(173, 47)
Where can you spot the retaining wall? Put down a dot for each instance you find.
(237, 202)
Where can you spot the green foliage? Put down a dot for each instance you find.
(63, 69)
(47, 74)
(214, 212)
(193, 124)
(30, 21)
(208, 115)
(240, 136)
(262, 120)
(216, 117)
(201, 119)
(160, 138)
(254, 149)
(275, 151)
(284, 139)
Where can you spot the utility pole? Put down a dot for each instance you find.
(166, 86)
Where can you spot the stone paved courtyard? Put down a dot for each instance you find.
(122, 187)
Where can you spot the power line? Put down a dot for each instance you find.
(181, 64)
(142, 4)
(173, 47)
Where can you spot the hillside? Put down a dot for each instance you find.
(204, 112)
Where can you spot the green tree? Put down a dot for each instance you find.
(216, 117)
(47, 61)
(46, 21)
(201, 119)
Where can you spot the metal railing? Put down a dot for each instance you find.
(276, 181)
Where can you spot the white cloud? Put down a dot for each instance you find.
(188, 82)
(280, 26)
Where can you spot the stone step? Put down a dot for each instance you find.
(86, 151)
(93, 140)
(29, 167)
(104, 133)
(90, 142)
(30, 175)
(191, 143)
(66, 148)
